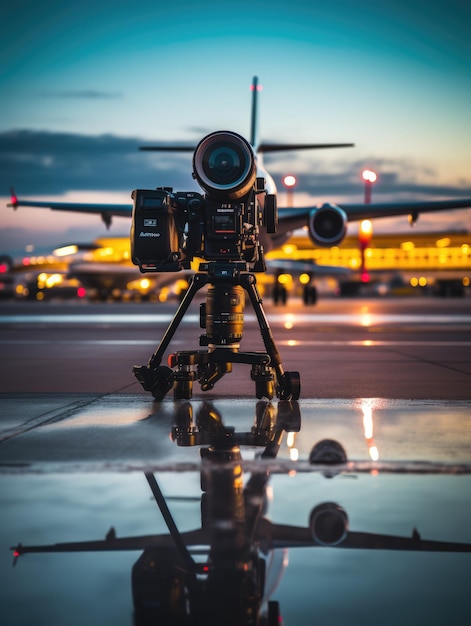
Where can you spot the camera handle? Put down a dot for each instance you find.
(267, 369)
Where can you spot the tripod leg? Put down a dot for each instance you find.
(150, 374)
(289, 382)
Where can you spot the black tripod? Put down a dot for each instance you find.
(222, 316)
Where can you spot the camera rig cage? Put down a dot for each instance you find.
(221, 227)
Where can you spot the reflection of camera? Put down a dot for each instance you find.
(170, 228)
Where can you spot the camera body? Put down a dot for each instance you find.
(169, 229)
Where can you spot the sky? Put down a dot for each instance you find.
(84, 84)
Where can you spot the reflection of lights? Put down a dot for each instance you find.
(366, 319)
(374, 454)
(290, 441)
(367, 405)
(289, 321)
(292, 342)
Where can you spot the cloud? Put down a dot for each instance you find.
(51, 163)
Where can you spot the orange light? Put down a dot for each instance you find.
(369, 176)
(289, 180)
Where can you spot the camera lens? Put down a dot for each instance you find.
(224, 165)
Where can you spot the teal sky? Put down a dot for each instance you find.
(394, 77)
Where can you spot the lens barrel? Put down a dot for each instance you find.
(224, 314)
(224, 165)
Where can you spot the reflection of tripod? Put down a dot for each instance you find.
(222, 316)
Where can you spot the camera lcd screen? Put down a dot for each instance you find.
(224, 223)
(147, 201)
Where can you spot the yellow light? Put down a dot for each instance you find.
(465, 248)
(414, 282)
(66, 250)
(443, 243)
(422, 281)
(289, 248)
(144, 283)
(466, 282)
(407, 245)
(53, 279)
(366, 227)
(284, 279)
(304, 279)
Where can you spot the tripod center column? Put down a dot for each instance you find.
(225, 314)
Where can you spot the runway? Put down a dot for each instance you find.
(406, 349)
(388, 379)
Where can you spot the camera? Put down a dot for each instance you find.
(169, 229)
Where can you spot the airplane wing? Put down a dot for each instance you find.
(297, 218)
(107, 211)
(112, 543)
(284, 536)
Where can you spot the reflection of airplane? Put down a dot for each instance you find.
(326, 223)
(218, 574)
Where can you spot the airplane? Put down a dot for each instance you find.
(326, 223)
(226, 571)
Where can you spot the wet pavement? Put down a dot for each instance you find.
(344, 539)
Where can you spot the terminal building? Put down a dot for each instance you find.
(434, 263)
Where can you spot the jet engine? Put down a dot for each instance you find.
(329, 524)
(327, 225)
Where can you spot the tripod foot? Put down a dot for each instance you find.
(291, 387)
(158, 381)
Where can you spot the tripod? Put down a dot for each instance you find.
(222, 316)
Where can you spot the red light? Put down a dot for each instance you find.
(26, 261)
(81, 292)
(3, 268)
(365, 277)
(16, 553)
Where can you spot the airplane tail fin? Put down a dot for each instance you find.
(255, 87)
(264, 147)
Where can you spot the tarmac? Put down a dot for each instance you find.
(388, 379)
